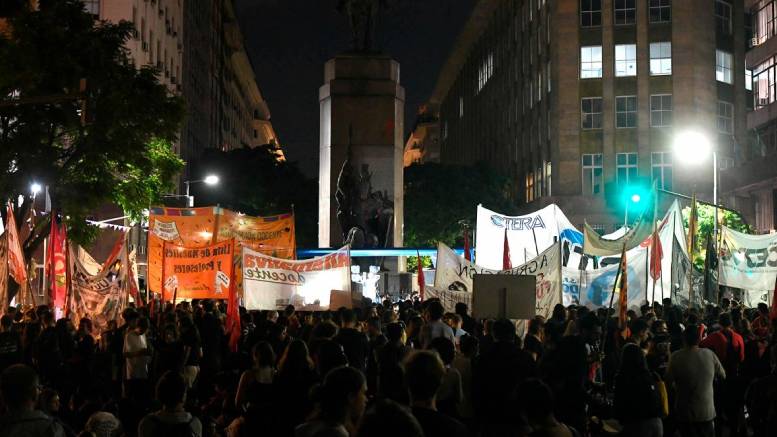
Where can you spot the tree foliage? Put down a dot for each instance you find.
(254, 182)
(439, 196)
(706, 220)
(122, 152)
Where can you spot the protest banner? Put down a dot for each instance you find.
(197, 273)
(528, 235)
(593, 288)
(747, 261)
(455, 274)
(99, 292)
(199, 227)
(271, 283)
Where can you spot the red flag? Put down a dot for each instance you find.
(506, 264)
(623, 297)
(233, 311)
(15, 255)
(656, 255)
(56, 263)
(467, 253)
(421, 279)
(773, 312)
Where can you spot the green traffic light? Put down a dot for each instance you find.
(636, 198)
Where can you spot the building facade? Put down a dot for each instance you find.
(752, 186)
(423, 143)
(574, 99)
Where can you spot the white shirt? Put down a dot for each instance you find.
(137, 367)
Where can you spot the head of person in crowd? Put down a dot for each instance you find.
(536, 327)
(348, 319)
(590, 329)
(342, 397)
(454, 321)
(659, 327)
(461, 309)
(725, 320)
(387, 418)
(444, 348)
(395, 332)
(330, 355)
(504, 331)
(324, 330)
(374, 326)
(725, 304)
(171, 391)
(19, 387)
(263, 355)
(141, 327)
(763, 309)
(639, 330)
(414, 325)
(208, 305)
(424, 371)
(49, 401)
(537, 404)
(691, 336)
(6, 323)
(633, 360)
(469, 346)
(559, 313)
(434, 311)
(295, 358)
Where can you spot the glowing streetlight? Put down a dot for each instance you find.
(210, 179)
(693, 147)
(35, 188)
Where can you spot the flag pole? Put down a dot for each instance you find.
(612, 296)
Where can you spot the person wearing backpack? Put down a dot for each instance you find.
(172, 420)
(638, 400)
(729, 347)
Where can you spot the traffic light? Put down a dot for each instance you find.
(629, 200)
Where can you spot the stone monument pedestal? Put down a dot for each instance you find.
(361, 105)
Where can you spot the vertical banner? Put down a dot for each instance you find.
(199, 227)
(56, 261)
(16, 264)
(197, 273)
(747, 261)
(272, 283)
(4, 273)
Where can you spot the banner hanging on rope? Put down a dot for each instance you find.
(271, 283)
(747, 261)
(197, 273)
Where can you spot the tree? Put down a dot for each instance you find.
(117, 151)
(706, 220)
(254, 182)
(439, 196)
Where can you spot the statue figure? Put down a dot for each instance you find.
(363, 18)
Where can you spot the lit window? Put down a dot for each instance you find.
(590, 13)
(725, 118)
(625, 11)
(661, 110)
(625, 111)
(660, 11)
(748, 79)
(723, 17)
(548, 178)
(660, 58)
(590, 62)
(92, 6)
(723, 66)
(764, 76)
(626, 60)
(592, 173)
(765, 22)
(626, 166)
(661, 166)
(530, 187)
(591, 110)
(485, 71)
(461, 107)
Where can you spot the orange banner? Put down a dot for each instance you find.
(197, 273)
(199, 227)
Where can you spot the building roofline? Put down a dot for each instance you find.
(469, 35)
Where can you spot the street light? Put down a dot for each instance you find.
(210, 179)
(693, 147)
(35, 188)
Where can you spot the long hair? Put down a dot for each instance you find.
(333, 394)
(632, 360)
(295, 358)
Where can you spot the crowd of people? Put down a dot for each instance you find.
(392, 369)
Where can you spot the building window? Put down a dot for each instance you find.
(590, 62)
(625, 11)
(590, 13)
(660, 58)
(485, 71)
(591, 110)
(764, 23)
(725, 118)
(661, 166)
(723, 66)
(626, 166)
(92, 6)
(592, 173)
(748, 79)
(661, 110)
(625, 111)
(461, 107)
(626, 60)
(538, 184)
(660, 11)
(723, 17)
(548, 179)
(764, 83)
(530, 187)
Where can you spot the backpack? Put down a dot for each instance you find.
(181, 429)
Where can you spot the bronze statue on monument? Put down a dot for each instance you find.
(363, 18)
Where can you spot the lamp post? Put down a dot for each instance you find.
(209, 180)
(692, 147)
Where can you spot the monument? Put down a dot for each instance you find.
(361, 140)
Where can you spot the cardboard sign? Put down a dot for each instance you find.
(504, 296)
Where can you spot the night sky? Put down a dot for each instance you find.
(289, 41)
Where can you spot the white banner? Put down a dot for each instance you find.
(167, 231)
(593, 288)
(272, 283)
(543, 227)
(454, 274)
(748, 261)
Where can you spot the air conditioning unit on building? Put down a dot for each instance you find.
(763, 101)
(753, 42)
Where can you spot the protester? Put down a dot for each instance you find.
(340, 402)
(172, 419)
(638, 395)
(355, 343)
(19, 387)
(434, 326)
(537, 407)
